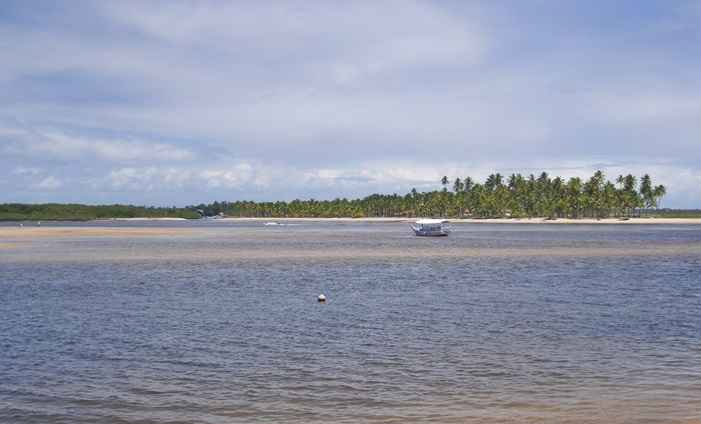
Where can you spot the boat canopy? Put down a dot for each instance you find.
(428, 221)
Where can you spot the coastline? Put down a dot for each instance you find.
(139, 219)
(588, 221)
(531, 221)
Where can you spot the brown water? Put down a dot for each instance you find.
(218, 323)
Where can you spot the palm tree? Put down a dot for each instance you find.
(646, 191)
(468, 184)
(414, 201)
(593, 189)
(610, 198)
(657, 193)
(457, 185)
(498, 179)
(512, 182)
(521, 196)
(574, 196)
(631, 199)
(491, 182)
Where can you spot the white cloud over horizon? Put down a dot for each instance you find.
(178, 103)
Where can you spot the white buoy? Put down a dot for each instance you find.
(321, 298)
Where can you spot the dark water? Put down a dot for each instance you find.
(220, 324)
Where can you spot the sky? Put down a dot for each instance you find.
(177, 103)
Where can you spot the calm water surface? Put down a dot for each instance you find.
(218, 323)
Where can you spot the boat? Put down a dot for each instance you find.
(431, 227)
(272, 224)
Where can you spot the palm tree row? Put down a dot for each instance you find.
(496, 197)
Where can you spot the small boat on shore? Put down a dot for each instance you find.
(431, 227)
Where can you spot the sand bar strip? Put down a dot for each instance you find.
(235, 254)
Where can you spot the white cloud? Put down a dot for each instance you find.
(59, 145)
(21, 170)
(145, 179)
(267, 181)
(237, 176)
(320, 98)
(643, 105)
(49, 183)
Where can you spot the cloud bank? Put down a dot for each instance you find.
(179, 102)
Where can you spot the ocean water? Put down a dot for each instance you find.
(218, 322)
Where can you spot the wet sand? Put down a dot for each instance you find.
(587, 221)
(31, 244)
(234, 255)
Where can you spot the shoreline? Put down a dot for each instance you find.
(140, 219)
(588, 221)
(531, 221)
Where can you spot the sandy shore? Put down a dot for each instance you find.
(28, 231)
(31, 244)
(695, 221)
(50, 250)
(141, 219)
(687, 221)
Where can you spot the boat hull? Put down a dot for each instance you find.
(430, 233)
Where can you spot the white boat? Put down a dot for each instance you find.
(431, 227)
(272, 224)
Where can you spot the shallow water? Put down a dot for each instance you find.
(219, 323)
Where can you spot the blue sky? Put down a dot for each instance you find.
(175, 103)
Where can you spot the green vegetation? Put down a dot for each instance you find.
(674, 213)
(497, 197)
(75, 212)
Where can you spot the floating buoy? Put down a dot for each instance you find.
(321, 298)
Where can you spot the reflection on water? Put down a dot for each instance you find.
(221, 324)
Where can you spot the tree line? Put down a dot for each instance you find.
(497, 197)
(77, 212)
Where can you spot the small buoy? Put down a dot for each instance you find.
(321, 298)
